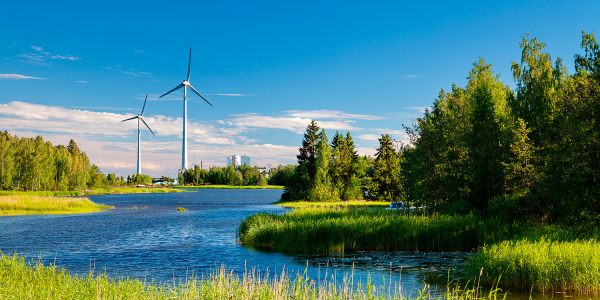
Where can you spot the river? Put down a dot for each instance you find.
(147, 238)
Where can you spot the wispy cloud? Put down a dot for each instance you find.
(234, 95)
(129, 71)
(103, 108)
(31, 56)
(412, 76)
(36, 48)
(140, 51)
(420, 109)
(81, 81)
(17, 76)
(330, 114)
(67, 57)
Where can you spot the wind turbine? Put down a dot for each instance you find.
(186, 83)
(139, 117)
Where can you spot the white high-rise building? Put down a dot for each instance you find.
(238, 160)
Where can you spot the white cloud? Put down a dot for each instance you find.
(412, 76)
(369, 137)
(294, 124)
(81, 81)
(330, 114)
(68, 57)
(28, 116)
(36, 48)
(17, 76)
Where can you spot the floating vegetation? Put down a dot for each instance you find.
(181, 209)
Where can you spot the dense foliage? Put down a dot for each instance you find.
(32, 164)
(532, 152)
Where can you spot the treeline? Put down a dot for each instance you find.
(334, 171)
(533, 152)
(530, 152)
(32, 164)
(230, 175)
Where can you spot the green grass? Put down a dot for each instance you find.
(21, 279)
(543, 265)
(233, 187)
(31, 204)
(42, 193)
(299, 204)
(321, 230)
(133, 191)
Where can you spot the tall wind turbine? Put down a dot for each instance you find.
(139, 117)
(186, 83)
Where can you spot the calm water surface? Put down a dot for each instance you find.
(155, 241)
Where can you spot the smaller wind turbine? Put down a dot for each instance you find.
(139, 117)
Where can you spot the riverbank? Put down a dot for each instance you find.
(356, 203)
(32, 204)
(21, 279)
(116, 190)
(234, 187)
(327, 230)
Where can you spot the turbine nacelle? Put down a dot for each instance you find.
(185, 83)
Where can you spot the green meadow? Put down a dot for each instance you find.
(22, 279)
(33, 204)
(297, 204)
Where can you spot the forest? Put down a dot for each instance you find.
(532, 152)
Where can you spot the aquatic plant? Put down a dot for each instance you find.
(181, 209)
(30, 204)
(21, 279)
(543, 265)
(320, 230)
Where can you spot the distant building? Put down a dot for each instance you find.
(238, 160)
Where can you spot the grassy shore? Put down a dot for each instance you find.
(21, 279)
(543, 265)
(132, 190)
(233, 187)
(524, 256)
(319, 230)
(358, 203)
(31, 204)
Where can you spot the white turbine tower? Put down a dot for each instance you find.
(139, 117)
(186, 83)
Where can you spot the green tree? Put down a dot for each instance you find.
(387, 172)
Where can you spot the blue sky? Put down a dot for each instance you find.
(268, 68)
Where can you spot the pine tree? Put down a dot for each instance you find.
(387, 173)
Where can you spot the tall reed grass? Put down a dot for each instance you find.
(543, 265)
(235, 187)
(30, 204)
(20, 279)
(321, 230)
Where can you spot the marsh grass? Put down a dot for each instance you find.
(30, 204)
(542, 265)
(333, 204)
(323, 230)
(128, 190)
(235, 187)
(21, 279)
(42, 193)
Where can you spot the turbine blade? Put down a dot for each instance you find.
(194, 90)
(176, 88)
(144, 105)
(189, 64)
(148, 126)
(130, 119)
